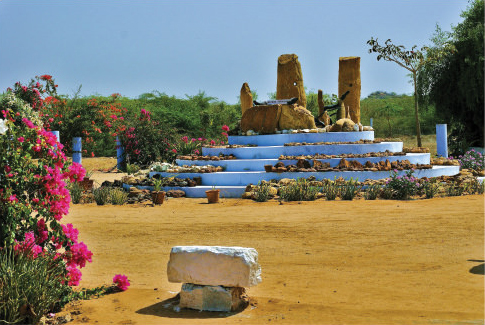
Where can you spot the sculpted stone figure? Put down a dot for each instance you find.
(246, 97)
(349, 79)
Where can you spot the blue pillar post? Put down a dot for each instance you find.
(77, 155)
(441, 140)
(58, 136)
(120, 155)
(371, 121)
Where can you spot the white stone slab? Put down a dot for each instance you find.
(214, 265)
(212, 298)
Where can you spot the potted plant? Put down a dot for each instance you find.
(212, 195)
(158, 196)
(87, 183)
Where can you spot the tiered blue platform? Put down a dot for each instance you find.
(249, 165)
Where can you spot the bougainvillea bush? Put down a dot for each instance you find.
(33, 193)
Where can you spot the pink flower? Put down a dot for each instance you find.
(80, 255)
(200, 139)
(13, 198)
(70, 232)
(225, 128)
(29, 124)
(213, 142)
(21, 139)
(224, 134)
(174, 150)
(73, 275)
(196, 151)
(185, 139)
(121, 281)
(8, 169)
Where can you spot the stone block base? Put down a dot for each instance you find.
(213, 298)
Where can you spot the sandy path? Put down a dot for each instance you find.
(360, 262)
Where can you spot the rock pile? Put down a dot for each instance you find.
(292, 144)
(214, 278)
(350, 155)
(304, 165)
(214, 158)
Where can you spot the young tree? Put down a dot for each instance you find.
(409, 60)
(451, 77)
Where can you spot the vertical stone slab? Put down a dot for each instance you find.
(349, 79)
(289, 83)
(246, 98)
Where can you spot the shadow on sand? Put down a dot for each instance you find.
(169, 308)
(478, 269)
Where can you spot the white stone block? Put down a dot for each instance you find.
(214, 265)
(212, 298)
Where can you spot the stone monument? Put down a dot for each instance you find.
(246, 98)
(349, 80)
(290, 79)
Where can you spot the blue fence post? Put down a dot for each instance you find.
(371, 122)
(120, 155)
(442, 140)
(77, 156)
(58, 136)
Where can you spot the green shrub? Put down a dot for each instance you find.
(430, 188)
(403, 187)
(477, 187)
(301, 190)
(387, 193)
(262, 192)
(118, 196)
(132, 168)
(30, 288)
(331, 190)
(454, 189)
(76, 192)
(101, 195)
(372, 192)
(349, 189)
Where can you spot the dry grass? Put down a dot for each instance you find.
(99, 163)
(427, 141)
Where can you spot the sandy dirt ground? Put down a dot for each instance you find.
(340, 262)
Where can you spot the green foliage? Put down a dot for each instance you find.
(118, 196)
(30, 288)
(132, 168)
(403, 187)
(372, 192)
(262, 192)
(301, 190)
(394, 115)
(349, 189)
(101, 195)
(76, 192)
(452, 78)
(431, 188)
(409, 60)
(454, 189)
(331, 189)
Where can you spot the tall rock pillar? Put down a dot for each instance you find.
(290, 79)
(246, 98)
(349, 79)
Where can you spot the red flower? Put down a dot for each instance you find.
(225, 128)
(46, 77)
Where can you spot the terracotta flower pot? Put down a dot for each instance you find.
(212, 196)
(86, 184)
(158, 197)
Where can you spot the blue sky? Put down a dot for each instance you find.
(181, 47)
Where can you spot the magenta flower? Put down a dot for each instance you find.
(225, 128)
(21, 139)
(121, 281)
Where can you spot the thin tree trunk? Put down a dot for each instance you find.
(418, 127)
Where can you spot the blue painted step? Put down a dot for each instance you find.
(235, 165)
(281, 139)
(253, 177)
(271, 152)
